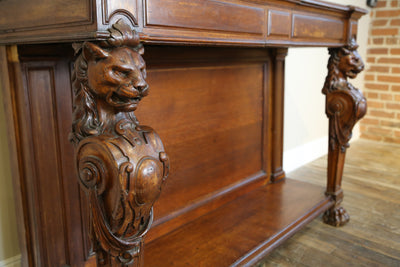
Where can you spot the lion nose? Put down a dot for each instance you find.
(140, 84)
(144, 89)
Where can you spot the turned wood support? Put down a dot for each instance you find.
(121, 165)
(277, 118)
(345, 105)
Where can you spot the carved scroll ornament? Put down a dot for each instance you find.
(345, 105)
(122, 165)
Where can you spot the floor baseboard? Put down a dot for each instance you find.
(303, 154)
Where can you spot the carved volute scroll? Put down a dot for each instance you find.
(121, 165)
(345, 105)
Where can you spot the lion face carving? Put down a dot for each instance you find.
(116, 77)
(108, 80)
(350, 63)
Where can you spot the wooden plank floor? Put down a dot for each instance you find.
(371, 186)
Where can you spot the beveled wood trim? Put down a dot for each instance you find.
(258, 253)
(111, 8)
(57, 22)
(189, 14)
(279, 23)
(260, 23)
(316, 27)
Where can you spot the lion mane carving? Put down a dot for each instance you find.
(344, 62)
(121, 165)
(345, 104)
(114, 72)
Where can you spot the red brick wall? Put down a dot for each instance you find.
(382, 75)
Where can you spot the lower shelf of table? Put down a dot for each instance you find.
(243, 231)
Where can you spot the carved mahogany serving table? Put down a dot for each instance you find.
(215, 73)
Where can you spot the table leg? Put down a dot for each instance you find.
(121, 164)
(345, 105)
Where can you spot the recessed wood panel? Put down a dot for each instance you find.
(127, 8)
(279, 23)
(317, 27)
(49, 199)
(24, 15)
(58, 232)
(210, 120)
(206, 15)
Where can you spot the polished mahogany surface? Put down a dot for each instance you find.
(224, 22)
(241, 232)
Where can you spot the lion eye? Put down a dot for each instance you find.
(122, 72)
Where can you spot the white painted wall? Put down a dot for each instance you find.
(306, 125)
(305, 136)
(8, 227)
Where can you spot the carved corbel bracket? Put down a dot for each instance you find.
(121, 165)
(345, 105)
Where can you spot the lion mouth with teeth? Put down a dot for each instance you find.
(126, 97)
(350, 64)
(122, 81)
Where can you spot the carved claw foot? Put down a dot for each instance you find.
(345, 106)
(336, 216)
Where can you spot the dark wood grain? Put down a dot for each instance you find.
(345, 105)
(237, 229)
(240, 23)
(216, 130)
(279, 23)
(50, 197)
(219, 111)
(277, 106)
(50, 225)
(121, 164)
(222, 16)
(75, 11)
(321, 27)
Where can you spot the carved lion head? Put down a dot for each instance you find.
(110, 73)
(344, 62)
(117, 76)
(350, 62)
